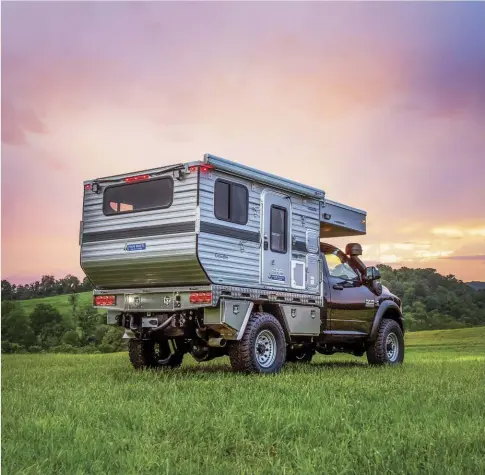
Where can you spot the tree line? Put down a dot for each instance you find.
(47, 286)
(430, 302)
(45, 329)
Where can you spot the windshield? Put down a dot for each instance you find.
(141, 196)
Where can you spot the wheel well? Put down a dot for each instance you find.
(275, 310)
(394, 314)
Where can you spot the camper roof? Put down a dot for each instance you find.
(263, 177)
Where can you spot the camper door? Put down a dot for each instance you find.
(276, 232)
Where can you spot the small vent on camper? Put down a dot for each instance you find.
(312, 241)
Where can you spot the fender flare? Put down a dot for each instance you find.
(383, 308)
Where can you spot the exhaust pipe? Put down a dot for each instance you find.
(217, 342)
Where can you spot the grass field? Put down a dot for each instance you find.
(92, 414)
(61, 302)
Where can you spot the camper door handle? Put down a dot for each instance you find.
(265, 243)
(338, 287)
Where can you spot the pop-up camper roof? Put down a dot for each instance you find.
(339, 220)
(336, 219)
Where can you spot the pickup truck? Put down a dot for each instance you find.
(213, 258)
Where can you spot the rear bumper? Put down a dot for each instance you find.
(166, 299)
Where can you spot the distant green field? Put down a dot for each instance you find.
(61, 302)
(77, 414)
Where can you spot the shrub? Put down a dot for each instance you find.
(63, 349)
(104, 348)
(113, 337)
(8, 347)
(35, 349)
(71, 338)
(16, 324)
(84, 350)
(44, 315)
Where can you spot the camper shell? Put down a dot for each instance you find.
(193, 236)
(209, 241)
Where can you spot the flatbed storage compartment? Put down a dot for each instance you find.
(138, 230)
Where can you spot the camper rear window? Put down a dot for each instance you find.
(231, 202)
(141, 196)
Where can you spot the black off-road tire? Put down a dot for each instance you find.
(243, 354)
(144, 354)
(379, 351)
(300, 355)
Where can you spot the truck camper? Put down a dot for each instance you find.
(215, 258)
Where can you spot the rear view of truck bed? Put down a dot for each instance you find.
(138, 230)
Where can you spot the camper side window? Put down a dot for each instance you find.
(231, 202)
(278, 229)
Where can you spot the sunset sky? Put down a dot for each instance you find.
(380, 104)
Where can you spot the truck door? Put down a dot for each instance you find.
(276, 242)
(351, 306)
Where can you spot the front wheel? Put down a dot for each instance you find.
(262, 348)
(388, 348)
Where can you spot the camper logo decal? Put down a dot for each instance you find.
(277, 274)
(136, 247)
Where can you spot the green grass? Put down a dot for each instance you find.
(93, 414)
(61, 302)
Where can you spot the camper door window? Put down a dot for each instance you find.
(231, 202)
(141, 196)
(278, 229)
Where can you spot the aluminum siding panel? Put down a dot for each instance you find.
(168, 259)
(223, 258)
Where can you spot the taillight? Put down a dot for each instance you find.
(87, 186)
(201, 297)
(104, 300)
(130, 179)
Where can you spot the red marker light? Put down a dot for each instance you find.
(87, 186)
(203, 168)
(201, 297)
(131, 179)
(104, 300)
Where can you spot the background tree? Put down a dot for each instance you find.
(88, 318)
(48, 325)
(16, 325)
(48, 285)
(73, 301)
(71, 338)
(7, 290)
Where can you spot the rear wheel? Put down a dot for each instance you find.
(388, 348)
(151, 354)
(262, 348)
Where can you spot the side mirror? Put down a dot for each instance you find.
(353, 249)
(372, 273)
